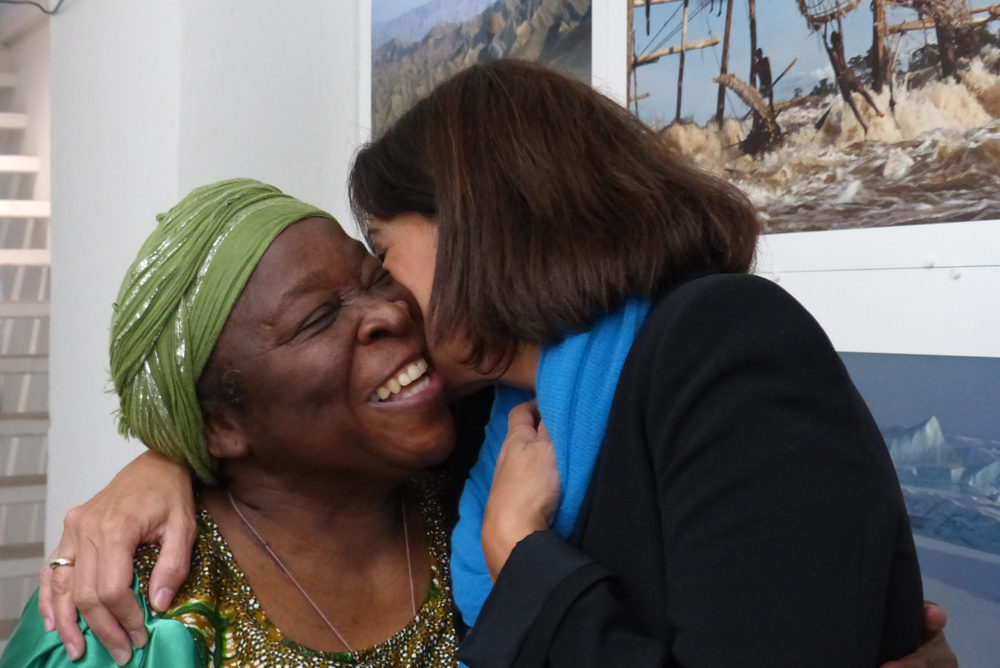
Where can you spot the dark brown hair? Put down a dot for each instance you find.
(553, 205)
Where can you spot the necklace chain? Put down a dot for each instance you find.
(281, 565)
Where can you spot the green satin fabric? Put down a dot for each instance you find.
(171, 644)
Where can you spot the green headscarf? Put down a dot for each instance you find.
(175, 299)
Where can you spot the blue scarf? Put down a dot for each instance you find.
(576, 384)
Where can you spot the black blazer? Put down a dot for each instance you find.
(744, 510)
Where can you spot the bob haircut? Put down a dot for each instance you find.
(553, 205)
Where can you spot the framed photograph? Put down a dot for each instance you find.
(830, 113)
(417, 44)
(939, 417)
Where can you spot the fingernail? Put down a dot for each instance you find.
(121, 656)
(49, 626)
(73, 650)
(162, 599)
(139, 638)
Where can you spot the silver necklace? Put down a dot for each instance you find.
(281, 565)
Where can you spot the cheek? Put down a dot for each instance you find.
(420, 286)
(418, 282)
(307, 378)
(448, 358)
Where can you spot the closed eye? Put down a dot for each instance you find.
(381, 277)
(375, 275)
(319, 319)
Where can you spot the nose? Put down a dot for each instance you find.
(384, 318)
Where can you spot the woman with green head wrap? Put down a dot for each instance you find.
(251, 341)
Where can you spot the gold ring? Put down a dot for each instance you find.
(56, 563)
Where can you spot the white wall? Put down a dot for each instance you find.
(148, 100)
(270, 90)
(115, 90)
(913, 289)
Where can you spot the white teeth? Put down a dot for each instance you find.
(416, 388)
(403, 379)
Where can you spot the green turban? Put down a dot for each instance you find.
(176, 298)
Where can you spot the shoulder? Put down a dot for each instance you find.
(722, 296)
(719, 311)
(207, 555)
(212, 575)
(211, 599)
(730, 333)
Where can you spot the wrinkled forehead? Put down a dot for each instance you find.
(310, 254)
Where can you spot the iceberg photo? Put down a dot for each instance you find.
(939, 418)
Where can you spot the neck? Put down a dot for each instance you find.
(344, 544)
(523, 367)
(323, 512)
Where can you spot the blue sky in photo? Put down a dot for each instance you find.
(781, 32)
(386, 10)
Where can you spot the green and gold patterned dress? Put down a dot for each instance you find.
(216, 620)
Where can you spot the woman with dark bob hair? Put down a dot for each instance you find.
(677, 469)
(741, 507)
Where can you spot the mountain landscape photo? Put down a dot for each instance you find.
(414, 51)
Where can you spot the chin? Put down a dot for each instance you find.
(433, 448)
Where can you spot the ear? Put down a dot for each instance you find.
(225, 435)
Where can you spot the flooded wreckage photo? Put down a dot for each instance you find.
(830, 113)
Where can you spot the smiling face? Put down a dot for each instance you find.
(330, 354)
